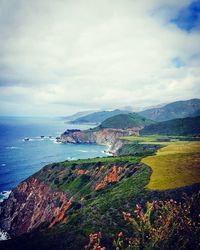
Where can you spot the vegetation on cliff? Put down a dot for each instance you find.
(99, 191)
(96, 195)
(166, 224)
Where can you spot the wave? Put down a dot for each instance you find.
(106, 152)
(38, 138)
(4, 235)
(12, 147)
(71, 158)
(57, 142)
(3, 164)
(4, 195)
(83, 151)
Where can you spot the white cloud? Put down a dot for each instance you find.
(62, 56)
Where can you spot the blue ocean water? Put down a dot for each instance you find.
(20, 159)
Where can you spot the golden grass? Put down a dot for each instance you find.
(176, 165)
(153, 139)
(141, 138)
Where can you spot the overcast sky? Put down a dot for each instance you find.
(61, 56)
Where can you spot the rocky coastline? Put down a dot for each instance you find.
(108, 136)
(35, 201)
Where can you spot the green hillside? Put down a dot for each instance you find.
(124, 121)
(185, 126)
(179, 109)
(103, 191)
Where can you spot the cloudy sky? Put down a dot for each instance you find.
(61, 56)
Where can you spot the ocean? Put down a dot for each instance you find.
(19, 159)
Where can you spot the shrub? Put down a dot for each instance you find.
(160, 224)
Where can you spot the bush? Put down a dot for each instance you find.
(159, 225)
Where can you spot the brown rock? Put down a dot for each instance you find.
(29, 205)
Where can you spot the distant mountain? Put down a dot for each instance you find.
(78, 115)
(140, 109)
(98, 117)
(182, 126)
(124, 121)
(160, 105)
(179, 109)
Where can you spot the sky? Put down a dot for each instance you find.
(58, 57)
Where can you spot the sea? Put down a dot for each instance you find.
(21, 158)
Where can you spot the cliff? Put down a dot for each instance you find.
(49, 197)
(61, 205)
(30, 204)
(107, 136)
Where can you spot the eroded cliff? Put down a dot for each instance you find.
(107, 136)
(30, 204)
(49, 197)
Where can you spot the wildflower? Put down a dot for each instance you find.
(120, 234)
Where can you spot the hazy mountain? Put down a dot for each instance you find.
(98, 117)
(179, 109)
(78, 115)
(139, 109)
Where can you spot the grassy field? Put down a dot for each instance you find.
(155, 139)
(174, 166)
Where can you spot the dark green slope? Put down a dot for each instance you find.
(185, 126)
(98, 117)
(180, 109)
(124, 121)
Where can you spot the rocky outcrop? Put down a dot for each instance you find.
(29, 205)
(115, 174)
(111, 177)
(107, 136)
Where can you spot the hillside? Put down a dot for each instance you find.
(184, 126)
(125, 121)
(82, 196)
(179, 109)
(98, 117)
(64, 203)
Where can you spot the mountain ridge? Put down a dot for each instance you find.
(98, 117)
(178, 109)
(189, 126)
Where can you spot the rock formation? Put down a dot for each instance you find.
(107, 136)
(30, 204)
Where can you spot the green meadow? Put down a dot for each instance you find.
(176, 164)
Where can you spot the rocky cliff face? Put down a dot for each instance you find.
(50, 196)
(108, 136)
(29, 205)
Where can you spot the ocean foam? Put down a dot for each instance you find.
(4, 195)
(4, 235)
(57, 142)
(12, 147)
